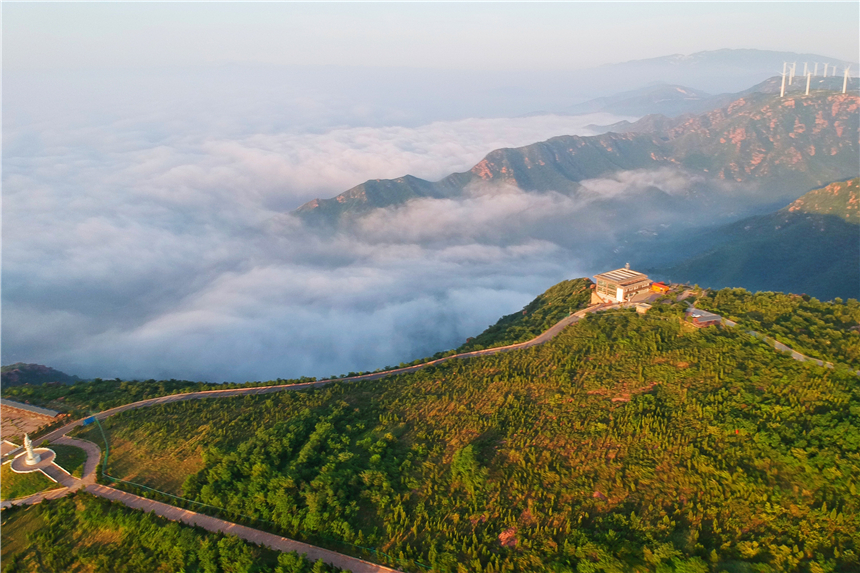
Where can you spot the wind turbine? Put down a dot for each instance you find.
(845, 81)
(782, 88)
(816, 70)
(804, 68)
(808, 79)
(825, 70)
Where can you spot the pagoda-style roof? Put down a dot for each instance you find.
(622, 277)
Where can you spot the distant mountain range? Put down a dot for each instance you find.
(674, 100)
(713, 71)
(19, 374)
(811, 246)
(785, 145)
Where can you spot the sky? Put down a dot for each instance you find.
(462, 36)
(152, 154)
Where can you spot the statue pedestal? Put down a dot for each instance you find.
(42, 458)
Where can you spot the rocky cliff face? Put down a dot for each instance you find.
(838, 199)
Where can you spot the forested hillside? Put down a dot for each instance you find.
(828, 331)
(557, 302)
(19, 374)
(84, 533)
(85, 397)
(628, 443)
(810, 246)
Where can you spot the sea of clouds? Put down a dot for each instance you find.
(145, 237)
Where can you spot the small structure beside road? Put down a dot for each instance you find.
(703, 318)
(642, 307)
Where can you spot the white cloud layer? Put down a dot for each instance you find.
(134, 252)
(147, 237)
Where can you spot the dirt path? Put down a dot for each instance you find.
(256, 536)
(36, 497)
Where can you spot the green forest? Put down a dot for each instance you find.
(87, 397)
(826, 330)
(627, 443)
(85, 533)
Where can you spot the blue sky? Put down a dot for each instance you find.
(489, 36)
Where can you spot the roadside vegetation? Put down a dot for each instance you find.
(70, 458)
(85, 533)
(628, 443)
(86, 397)
(559, 301)
(14, 485)
(826, 330)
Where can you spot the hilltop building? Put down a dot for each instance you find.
(620, 285)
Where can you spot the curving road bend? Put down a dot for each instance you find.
(88, 481)
(254, 535)
(549, 334)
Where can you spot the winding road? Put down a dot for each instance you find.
(88, 482)
(546, 336)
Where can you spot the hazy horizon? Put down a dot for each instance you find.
(152, 153)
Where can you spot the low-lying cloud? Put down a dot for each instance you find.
(136, 249)
(151, 253)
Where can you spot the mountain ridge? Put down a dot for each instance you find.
(810, 246)
(766, 136)
(20, 374)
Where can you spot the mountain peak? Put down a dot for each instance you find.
(800, 138)
(839, 198)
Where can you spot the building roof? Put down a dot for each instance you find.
(29, 408)
(703, 315)
(622, 276)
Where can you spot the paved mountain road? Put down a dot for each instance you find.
(551, 333)
(247, 533)
(256, 536)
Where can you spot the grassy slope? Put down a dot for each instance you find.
(627, 443)
(539, 315)
(70, 458)
(137, 455)
(84, 534)
(14, 485)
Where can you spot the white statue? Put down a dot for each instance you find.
(32, 457)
